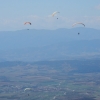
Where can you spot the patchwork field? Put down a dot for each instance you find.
(50, 80)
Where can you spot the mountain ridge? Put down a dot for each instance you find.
(49, 44)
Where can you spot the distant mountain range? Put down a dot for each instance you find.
(37, 45)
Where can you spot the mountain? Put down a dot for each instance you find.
(35, 45)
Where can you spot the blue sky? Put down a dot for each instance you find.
(13, 14)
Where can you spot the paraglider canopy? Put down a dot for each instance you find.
(54, 13)
(78, 23)
(27, 23)
(27, 89)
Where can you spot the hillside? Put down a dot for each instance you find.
(35, 45)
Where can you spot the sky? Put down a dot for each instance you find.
(14, 13)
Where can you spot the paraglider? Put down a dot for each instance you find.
(78, 33)
(27, 23)
(78, 23)
(55, 13)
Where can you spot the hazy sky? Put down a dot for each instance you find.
(13, 14)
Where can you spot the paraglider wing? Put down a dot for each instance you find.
(78, 23)
(27, 23)
(53, 14)
(27, 89)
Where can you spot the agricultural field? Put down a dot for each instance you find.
(50, 80)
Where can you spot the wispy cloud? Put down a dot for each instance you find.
(98, 7)
(47, 22)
